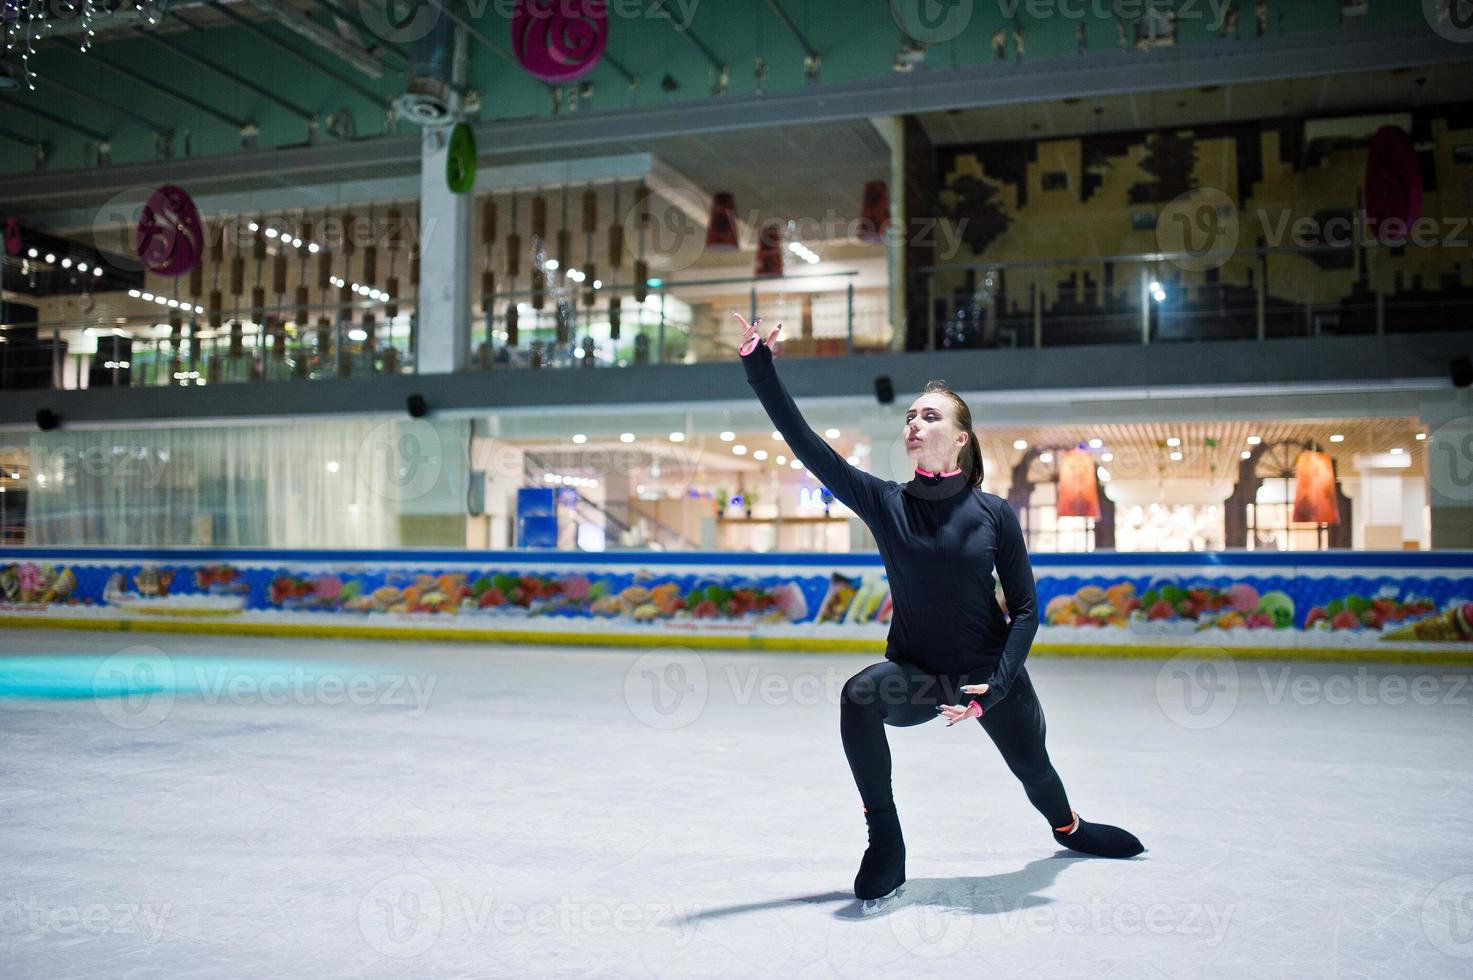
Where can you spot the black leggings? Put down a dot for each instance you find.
(895, 692)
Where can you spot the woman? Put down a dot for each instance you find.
(940, 536)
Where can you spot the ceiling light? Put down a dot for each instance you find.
(677, 437)
(626, 437)
(831, 433)
(728, 436)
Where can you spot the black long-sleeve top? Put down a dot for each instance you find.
(940, 540)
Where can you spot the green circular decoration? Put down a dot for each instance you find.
(460, 162)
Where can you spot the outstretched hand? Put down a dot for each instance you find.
(750, 336)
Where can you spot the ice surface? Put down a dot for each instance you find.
(425, 810)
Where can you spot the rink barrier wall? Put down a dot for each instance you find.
(1391, 606)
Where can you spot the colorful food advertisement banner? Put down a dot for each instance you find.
(1130, 603)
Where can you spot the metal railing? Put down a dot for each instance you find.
(1256, 294)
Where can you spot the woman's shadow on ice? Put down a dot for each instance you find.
(980, 895)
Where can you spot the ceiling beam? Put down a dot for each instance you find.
(354, 55)
(302, 56)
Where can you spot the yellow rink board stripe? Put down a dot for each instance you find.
(1434, 654)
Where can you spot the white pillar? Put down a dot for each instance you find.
(443, 333)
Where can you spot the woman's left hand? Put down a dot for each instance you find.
(954, 713)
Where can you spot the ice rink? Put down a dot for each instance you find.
(183, 807)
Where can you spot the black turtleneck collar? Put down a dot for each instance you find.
(936, 487)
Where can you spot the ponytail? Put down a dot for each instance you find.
(970, 456)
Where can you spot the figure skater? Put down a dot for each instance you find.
(940, 536)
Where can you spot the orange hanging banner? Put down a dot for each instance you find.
(1314, 489)
(1078, 493)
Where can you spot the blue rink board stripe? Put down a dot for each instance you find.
(1311, 559)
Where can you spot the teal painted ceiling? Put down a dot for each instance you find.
(78, 101)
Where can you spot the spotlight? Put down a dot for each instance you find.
(46, 420)
(417, 406)
(884, 390)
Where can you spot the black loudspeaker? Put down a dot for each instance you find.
(47, 420)
(1462, 371)
(884, 390)
(417, 406)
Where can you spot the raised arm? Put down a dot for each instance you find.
(1016, 575)
(860, 491)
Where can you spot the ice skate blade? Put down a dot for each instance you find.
(875, 906)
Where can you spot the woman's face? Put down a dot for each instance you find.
(930, 432)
